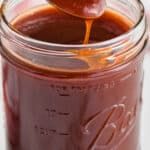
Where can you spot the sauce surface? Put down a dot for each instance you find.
(51, 25)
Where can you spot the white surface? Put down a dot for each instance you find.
(2, 126)
(145, 129)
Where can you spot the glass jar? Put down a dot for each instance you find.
(58, 98)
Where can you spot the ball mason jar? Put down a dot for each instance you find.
(58, 98)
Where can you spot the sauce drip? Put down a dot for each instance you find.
(88, 24)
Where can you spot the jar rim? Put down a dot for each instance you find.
(59, 47)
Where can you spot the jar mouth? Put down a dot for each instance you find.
(25, 40)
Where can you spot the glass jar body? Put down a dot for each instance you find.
(50, 105)
(73, 113)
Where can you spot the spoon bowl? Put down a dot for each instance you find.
(88, 9)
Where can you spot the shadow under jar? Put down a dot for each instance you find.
(62, 95)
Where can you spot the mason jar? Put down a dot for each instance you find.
(73, 96)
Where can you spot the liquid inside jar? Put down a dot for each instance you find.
(51, 25)
(67, 110)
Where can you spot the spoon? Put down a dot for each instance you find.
(88, 9)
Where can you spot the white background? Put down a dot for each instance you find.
(145, 129)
